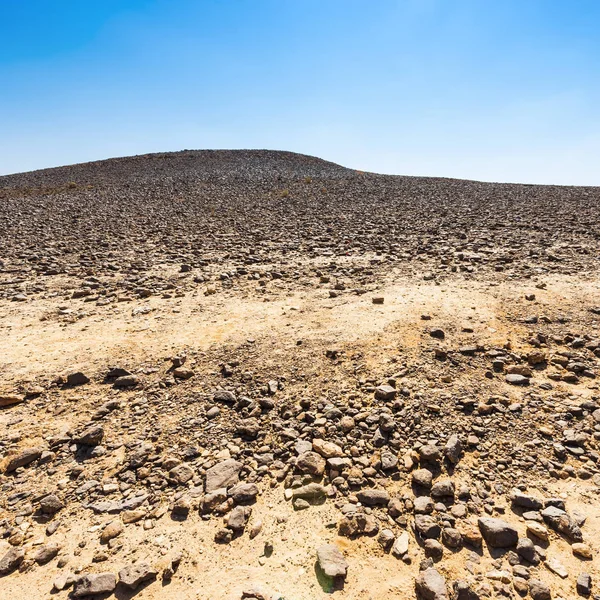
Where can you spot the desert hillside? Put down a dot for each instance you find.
(258, 374)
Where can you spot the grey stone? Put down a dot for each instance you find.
(300, 504)
(12, 399)
(46, 553)
(431, 585)
(114, 507)
(213, 499)
(427, 527)
(310, 491)
(11, 560)
(225, 397)
(497, 533)
(126, 381)
(389, 461)
(223, 474)
(526, 501)
(77, 379)
(538, 590)
(331, 562)
(451, 537)
(182, 473)
(257, 592)
(443, 488)
(429, 453)
(373, 497)
(554, 565)
(463, 591)
(516, 379)
(311, 463)
(453, 449)
(51, 504)
(94, 584)
(238, 518)
(386, 538)
(400, 547)
(562, 522)
(243, 493)
(133, 576)
(526, 549)
(223, 536)
(584, 584)
(357, 523)
(91, 436)
(433, 549)
(423, 505)
(422, 478)
(385, 392)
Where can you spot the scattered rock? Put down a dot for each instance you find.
(91, 436)
(112, 530)
(22, 459)
(538, 590)
(133, 576)
(11, 560)
(497, 533)
(222, 475)
(77, 379)
(430, 585)
(10, 399)
(94, 584)
(331, 562)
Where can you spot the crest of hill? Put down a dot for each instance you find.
(207, 165)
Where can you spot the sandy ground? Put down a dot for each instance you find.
(38, 345)
(34, 342)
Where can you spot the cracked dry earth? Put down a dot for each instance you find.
(251, 374)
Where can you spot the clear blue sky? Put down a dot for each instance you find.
(501, 90)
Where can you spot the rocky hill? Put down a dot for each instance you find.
(257, 374)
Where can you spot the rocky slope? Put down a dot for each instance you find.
(252, 374)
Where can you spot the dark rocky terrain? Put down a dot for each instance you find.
(256, 374)
(252, 207)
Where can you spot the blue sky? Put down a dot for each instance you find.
(497, 90)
